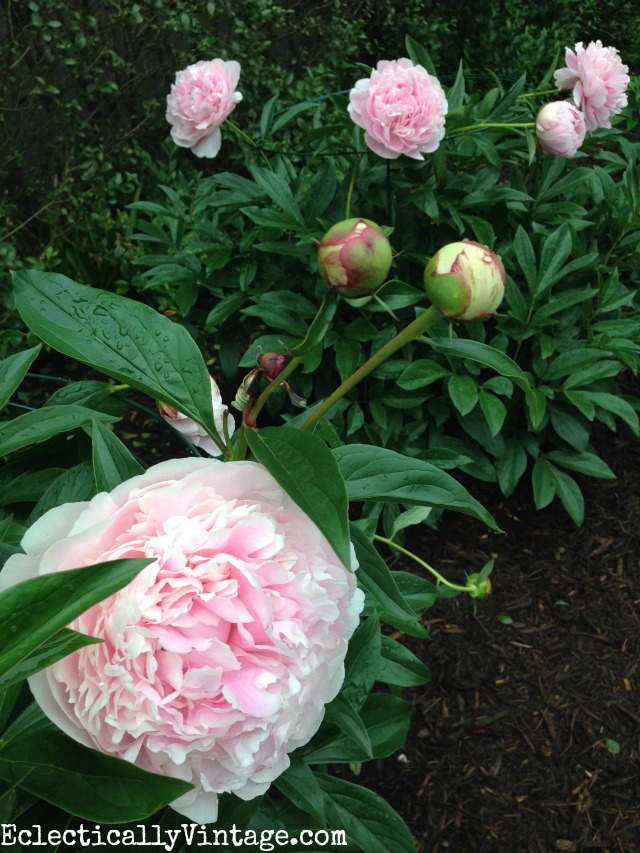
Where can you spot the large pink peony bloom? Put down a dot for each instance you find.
(401, 108)
(201, 98)
(193, 431)
(219, 657)
(560, 128)
(599, 81)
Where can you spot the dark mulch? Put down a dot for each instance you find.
(513, 743)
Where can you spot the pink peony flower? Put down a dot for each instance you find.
(599, 81)
(560, 128)
(200, 100)
(401, 108)
(219, 657)
(193, 431)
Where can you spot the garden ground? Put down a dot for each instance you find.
(527, 740)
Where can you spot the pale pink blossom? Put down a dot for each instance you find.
(218, 659)
(598, 81)
(201, 98)
(401, 108)
(560, 128)
(196, 434)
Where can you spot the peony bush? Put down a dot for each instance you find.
(218, 635)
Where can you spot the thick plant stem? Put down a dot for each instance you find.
(439, 578)
(414, 330)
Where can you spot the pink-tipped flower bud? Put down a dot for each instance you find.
(355, 256)
(465, 281)
(560, 128)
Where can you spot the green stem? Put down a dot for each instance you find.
(352, 184)
(536, 94)
(440, 579)
(414, 330)
(483, 124)
(249, 141)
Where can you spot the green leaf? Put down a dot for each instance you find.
(386, 718)
(120, 337)
(494, 411)
(41, 424)
(572, 361)
(377, 581)
(75, 484)
(617, 406)
(112, 462)
(56, 647)
(299, 784)
(496, 360)
(526, 257)
(319, 327)
(86, 783)
(342, 714)
(583, 463)
(36, 609)
(368, 819)
(13, 370)
(278, 190)
(511, 465)
(455, 95)
(570, 496)
(569, 428)
(420, 373)
(285, 116)
(463, 391)
(409, 518)
(361, 663)
(303, 465)
(400, 666)
(266, 117)
(375, 473)
(419, 55)
(555, 251)
(543, 482)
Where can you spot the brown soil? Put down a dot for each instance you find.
(513, 746)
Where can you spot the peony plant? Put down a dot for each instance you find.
(206, 633)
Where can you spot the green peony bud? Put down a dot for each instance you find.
(478, 587)
(465, 281)
(355, 256)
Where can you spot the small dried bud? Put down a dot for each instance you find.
(465, 281)
(355, 256)
(272, 364)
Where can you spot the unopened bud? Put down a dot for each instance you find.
(465, 281)
(272, 364)
(355, 256)
(478, 587)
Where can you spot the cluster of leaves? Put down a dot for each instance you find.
(131, 342)
(234, 255)
(92, 78)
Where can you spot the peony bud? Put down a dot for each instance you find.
(465, 281)
(560, 128)
(355, 256)
(477, 586)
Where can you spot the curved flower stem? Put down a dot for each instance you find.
(251, 412)
(484, 124)
(413, 331)
(352, 184)
(249, 141)
(439, 578)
